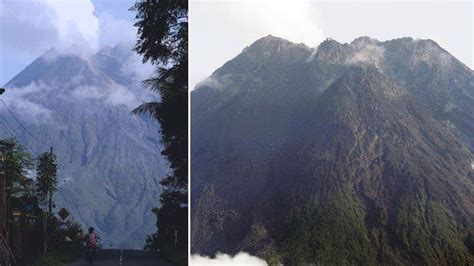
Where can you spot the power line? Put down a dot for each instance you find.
(26, 129)
(8, 133)
(8, 126)
(11, 132)
(15, 135)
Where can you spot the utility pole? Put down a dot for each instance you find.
(5, 249)
(3, 184)
(175, 231)
(50, 195)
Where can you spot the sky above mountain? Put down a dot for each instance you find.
(219, 30)
(29, 27)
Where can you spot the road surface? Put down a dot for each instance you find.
(125, 257)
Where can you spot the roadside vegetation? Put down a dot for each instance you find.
(36, 235)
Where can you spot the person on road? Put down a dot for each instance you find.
(91, 238)
(91, 244)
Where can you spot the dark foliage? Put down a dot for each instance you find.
(46, 178)
(163, 41)
(18, 161)
(26, 232)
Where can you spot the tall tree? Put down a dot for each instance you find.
(46, 179)
(46, 185)
(163, 41)
(18, 161)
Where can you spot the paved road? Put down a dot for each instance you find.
(125, 257)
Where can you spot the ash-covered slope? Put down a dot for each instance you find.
(109, 159)
(338, 162)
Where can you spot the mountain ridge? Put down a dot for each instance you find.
(338, 159)
(109, 160)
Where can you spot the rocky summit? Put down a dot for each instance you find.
(109, 162)
(356, 153)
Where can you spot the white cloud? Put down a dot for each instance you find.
(370, 54)
(114, 95)
(226, 260)
(88, 92)
(29, 28)
(50, 22)
(75, 22)
(211, 82)
(120, 95)
(135, 67)
(114, 30)
(23, 102)
(27, 102)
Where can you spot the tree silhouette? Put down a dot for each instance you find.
(46, 179)
(163, 41)
(18, 161)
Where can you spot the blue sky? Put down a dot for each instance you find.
(30, 27)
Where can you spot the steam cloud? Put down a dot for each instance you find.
(31, 27)
(51, 23)
(211, 82)
(226, 260)
(369, 54)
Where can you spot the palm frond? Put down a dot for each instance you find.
(149, 108)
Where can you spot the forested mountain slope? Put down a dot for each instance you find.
(354, 153)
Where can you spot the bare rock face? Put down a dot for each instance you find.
(109, 159)
(345, 153)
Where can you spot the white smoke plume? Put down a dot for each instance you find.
(64, 23)
(29, 28)
(211, 82)
(75, 22)
(226, 260)
(369, 54)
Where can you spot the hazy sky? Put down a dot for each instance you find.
(30, 27)
(219, 30)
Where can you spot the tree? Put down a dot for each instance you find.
(46, 185)
(18, 162)
(46, 179)
(163, 41)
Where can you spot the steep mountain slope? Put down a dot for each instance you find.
(333, 160)
(109, 159)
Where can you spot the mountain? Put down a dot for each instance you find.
(357, 153)
(109, 159)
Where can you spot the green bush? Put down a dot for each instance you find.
(53, 259)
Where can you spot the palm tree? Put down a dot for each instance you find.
(46, 185)
(46, 179)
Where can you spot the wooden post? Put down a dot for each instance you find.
(50, 195)
(4, 229)
(2, 190)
